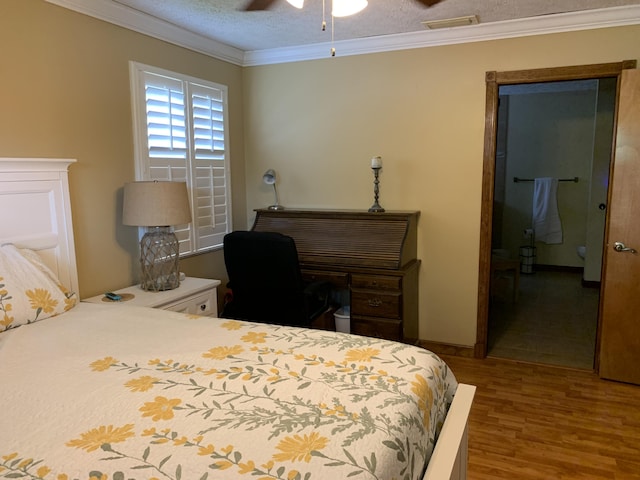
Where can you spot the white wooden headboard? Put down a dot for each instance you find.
(36, 212)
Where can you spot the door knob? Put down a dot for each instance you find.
(621, 247)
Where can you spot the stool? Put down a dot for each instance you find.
(500, 264)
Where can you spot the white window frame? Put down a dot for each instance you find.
(211, 198)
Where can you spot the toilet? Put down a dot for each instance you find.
(582, 251)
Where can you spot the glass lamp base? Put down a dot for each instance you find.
(159, 253)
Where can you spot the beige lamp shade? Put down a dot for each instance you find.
(156, 204)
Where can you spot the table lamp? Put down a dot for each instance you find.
(158, 206)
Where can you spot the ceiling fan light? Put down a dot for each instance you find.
(344, 8)
(296, 3)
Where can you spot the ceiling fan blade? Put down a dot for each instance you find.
(259, 5)
(429, 3)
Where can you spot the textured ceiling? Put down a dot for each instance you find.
(285, 26)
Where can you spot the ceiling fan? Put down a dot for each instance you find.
(266, 4)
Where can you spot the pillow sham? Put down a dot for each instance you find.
(29, 290)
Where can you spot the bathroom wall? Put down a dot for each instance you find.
(549, 134)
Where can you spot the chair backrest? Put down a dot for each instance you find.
(265, 278)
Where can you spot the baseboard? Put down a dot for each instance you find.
(557, 268)
(565, 268)
(447, 348)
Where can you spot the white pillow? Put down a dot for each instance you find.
(29, 290)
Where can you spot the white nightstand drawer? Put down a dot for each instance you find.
(204, 304)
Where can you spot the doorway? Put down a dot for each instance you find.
(491, 168)
(562, 131)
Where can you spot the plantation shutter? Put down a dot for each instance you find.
(185, 130)
(209, 164)
(167, 140)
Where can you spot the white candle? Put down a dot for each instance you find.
(376, 162)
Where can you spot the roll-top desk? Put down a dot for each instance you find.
(373, 255)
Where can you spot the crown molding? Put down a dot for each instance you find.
(135, 20)
(140, 22)
(557, 23)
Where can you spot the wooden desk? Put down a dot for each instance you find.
(373, 255)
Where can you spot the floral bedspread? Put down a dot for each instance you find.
(113, 392)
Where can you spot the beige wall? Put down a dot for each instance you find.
(65, 93)
(318, 123)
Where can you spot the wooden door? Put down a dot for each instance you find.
(620, 294)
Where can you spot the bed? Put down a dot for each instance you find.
(92, 392)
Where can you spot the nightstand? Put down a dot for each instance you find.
(194, 295)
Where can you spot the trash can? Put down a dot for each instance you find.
(343, 319)
(527, 259)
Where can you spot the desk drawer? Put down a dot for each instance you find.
(376, 303)
(378, 328)
(337, 279)
(376, 281)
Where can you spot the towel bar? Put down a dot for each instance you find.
(516, 179)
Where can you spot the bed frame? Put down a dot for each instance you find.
(39, 218)
(36, 191)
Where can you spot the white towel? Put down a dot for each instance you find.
(546, 221)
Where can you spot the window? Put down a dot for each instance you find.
(180, 134)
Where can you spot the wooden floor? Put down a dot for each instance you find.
(533, 421)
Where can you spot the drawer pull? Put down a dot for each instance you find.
(203, 307)
(374, 302)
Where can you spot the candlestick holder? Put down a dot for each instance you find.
(376, 191)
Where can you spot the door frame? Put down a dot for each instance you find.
(493, 81)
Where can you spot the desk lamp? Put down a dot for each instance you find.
(158, 206)
(269, 178)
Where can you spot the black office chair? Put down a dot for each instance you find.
(266, 283)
